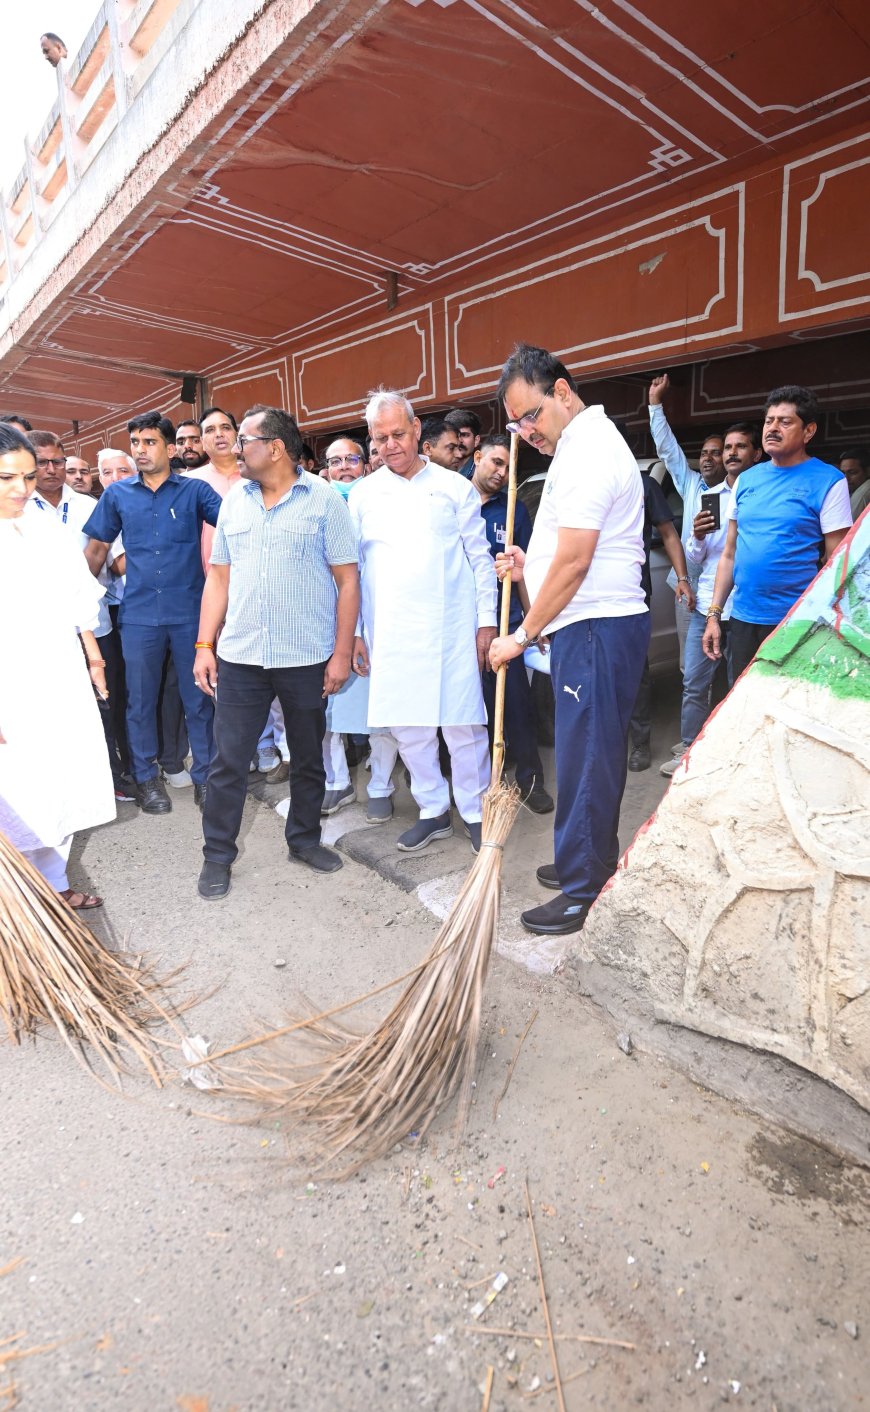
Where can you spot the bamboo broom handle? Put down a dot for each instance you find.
(498, 716)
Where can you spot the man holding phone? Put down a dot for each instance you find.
(741, 449)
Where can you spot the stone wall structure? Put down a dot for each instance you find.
(743, 906)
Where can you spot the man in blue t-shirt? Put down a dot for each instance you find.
(787, 517)
(489, 478)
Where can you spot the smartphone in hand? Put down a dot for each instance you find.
(712, 504)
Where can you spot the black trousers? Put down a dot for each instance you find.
(244, 696)
(116, 682)
(519, 723)
(745, 639)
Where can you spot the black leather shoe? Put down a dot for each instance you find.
(555, 918)
(318, 857)
(537, 799)
(639, 759)
(546, 876)
(214, 881)
(152, 797)
(474, 833)
(199, 793)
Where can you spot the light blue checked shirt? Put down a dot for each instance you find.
(282, 596)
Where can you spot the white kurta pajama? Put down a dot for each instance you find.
(54, 768)
(427, 584)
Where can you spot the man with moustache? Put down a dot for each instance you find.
(188, 445)
(283, 583)
(742, 449)
(786, 518)
(80, 477)
(439, 442)
(466, 424)
(491, 464)
(160, 515)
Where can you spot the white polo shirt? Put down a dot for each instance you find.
(593, 484)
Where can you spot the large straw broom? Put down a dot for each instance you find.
(358, 1095)
(52, 968)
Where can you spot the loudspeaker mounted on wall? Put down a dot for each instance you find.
(188, 389)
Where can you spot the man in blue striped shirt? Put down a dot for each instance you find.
(283, 581)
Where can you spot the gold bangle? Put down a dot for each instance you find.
(209, 645)
(714, 611)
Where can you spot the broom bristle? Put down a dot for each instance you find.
(362, 1094)
(52, 968)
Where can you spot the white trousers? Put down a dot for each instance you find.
(382, 760)
(52, 862)
(275, 736)
(469, 763)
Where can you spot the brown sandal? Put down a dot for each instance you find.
(86, 903)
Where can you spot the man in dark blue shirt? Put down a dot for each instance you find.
(159, 516)
(489, 478)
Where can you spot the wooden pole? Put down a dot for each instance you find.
(498, 715)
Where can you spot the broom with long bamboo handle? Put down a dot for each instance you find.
(355, 1096)
(52, 968)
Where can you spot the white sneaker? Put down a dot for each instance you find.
(267, 760)
(180, 780)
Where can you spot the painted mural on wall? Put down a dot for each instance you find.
(744, 906)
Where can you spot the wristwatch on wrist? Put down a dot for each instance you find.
(521, 637)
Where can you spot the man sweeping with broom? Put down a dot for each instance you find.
(583, 576)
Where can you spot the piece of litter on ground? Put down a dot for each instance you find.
(279, 963)
(734, 1386)
(339, 1269)
(623, 1042)
(632, 1260)
(195, 1050)
(851, 1329)
(705, 1166)
(364, 1309)
(701, 1360)
(77, 1219)
(495, 1289)
(499, 1173)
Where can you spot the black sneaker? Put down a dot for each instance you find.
(152, 797)
(318, 857)
(639, 759)
(547, 877)
(423, 832)
(473, 831)
(536, 798)
(556, 918)
(214, 881)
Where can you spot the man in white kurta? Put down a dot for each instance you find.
(428, 616)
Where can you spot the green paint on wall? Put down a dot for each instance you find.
(813, 652)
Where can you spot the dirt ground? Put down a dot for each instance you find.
(171, 1261)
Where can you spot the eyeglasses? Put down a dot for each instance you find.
(243, 441)
(59, 463)
(333, 462)
(527, 420)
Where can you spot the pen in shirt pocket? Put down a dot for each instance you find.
(172, 513)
